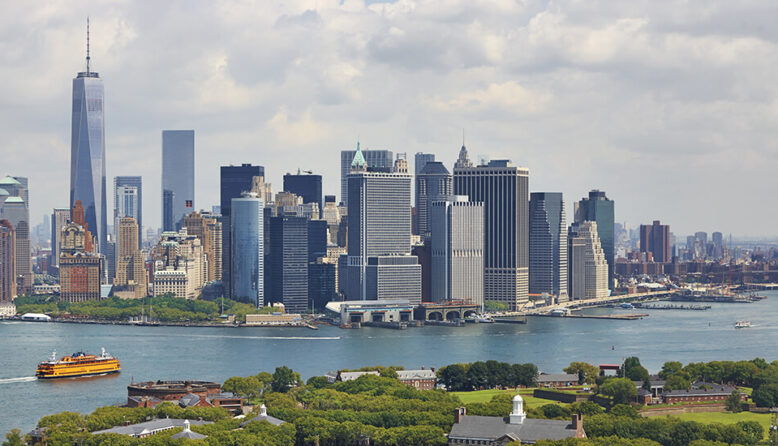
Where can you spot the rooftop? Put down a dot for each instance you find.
(149, 427)
(531, 430)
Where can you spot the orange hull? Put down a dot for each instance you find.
(78, 365)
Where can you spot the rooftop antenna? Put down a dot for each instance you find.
(87, 45)
(463, 136)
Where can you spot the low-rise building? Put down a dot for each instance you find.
(342, 376)
(149, 428)
(418, 379)
(273, 319)
(557, 380)
(701, 393)
(356, 311)
(499, 431)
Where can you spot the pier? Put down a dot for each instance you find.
(672, 307)
(614, 317)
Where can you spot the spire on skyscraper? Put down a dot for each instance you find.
(359, 162)
(87, 45)
(463, 160)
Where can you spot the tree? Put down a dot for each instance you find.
(624, 410)
(678, 381)
(453, 377)
(633, 370)
(734, 403)
(13, 438)
(765, 395)
(587, 408)
(670, 368)
(284, 379)
(318, 382)
(478, 375)
(622, 390)
(587, 373)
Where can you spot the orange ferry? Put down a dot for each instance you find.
(78, 364)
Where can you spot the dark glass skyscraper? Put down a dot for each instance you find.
(234, 181)
(597, 207)
(87, 151)
(307, 186)
(433, 183)
(178, 177)
(547, 244)
(287, 251)
(504, 191)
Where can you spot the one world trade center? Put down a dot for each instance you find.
(87, 150)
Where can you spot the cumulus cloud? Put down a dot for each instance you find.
(670, 108)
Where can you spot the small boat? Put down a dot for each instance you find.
(626, 306)
(558, 312)
(743, 324)
(77, 365)
(483, 319)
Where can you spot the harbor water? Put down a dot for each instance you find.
(151, 353)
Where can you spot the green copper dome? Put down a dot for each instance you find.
(359, 159)
(9, 180)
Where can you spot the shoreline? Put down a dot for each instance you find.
(167, 324)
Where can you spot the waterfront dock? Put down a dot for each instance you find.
(672, 307)
(613, 317)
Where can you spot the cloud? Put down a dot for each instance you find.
(670, 108)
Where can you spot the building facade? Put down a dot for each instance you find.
(87, 152)
(598, 208)
(380, 159)
(420, 160)
(655, 239)
(234, 180)
(287, 262)
(179, 265)
(15, 209)
(247, 250)
(504, 191)
(7, 262)
(307, 186)
(59, 218)
(130, 265)
(379, 222)
(457, 228)
(588, 275)
(208, 229)
(548, 245)
(120, 208)
(80, 270)
(178, 177)
(433, 183)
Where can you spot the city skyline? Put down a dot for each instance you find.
(654, 111)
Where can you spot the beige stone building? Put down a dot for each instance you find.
(180, 266)
(208, 229)
(80, 271)
(131, 276)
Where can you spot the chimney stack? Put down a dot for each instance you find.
(459, 412)
(578, 425)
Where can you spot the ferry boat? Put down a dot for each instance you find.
(78, 364)
(743, 324)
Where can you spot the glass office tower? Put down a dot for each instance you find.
(247, 261)
(177, 177)
(87, 152)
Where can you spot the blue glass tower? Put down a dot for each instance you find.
(87, 150)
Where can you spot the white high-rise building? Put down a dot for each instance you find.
(457, 229)
(588, 267)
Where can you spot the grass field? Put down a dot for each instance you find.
(484, 396)
(728, 418)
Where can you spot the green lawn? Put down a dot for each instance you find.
(484, 396)
(728, 418)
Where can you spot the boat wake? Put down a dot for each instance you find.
(23, 379)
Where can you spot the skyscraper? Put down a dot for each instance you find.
(137, 183)
(130, 268)
(7, 262)
(433, 183)
(287, 252)
(420, 160)
(247, 259)
(178, 177)
(504, 191)
(588, 268)
(457, 229)
(379, 235)
(87, 150)
(597, 207)
(307, 186)
(377, 159)
(233, 182)
(14, 207)
(548, 244)
(655, 238)
(59, 218)
(208, 229)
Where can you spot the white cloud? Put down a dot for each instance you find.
(658, 104)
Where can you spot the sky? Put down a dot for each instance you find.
(670, 107)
